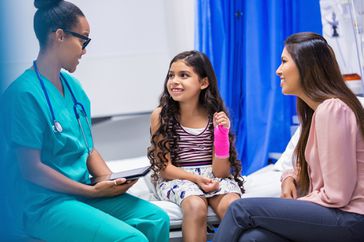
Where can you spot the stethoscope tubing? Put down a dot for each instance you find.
(56, 125)
(44, 91)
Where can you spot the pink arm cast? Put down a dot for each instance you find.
(221, 142)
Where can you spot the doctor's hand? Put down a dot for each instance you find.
(207, 184)
(288, 188)
(112, 188)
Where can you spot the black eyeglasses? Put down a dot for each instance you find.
(80, 36)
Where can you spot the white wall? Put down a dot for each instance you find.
(127, 59)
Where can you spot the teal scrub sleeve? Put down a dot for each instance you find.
(26, 122)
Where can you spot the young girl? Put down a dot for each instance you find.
(191, 148)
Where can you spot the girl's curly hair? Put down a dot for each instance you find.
(164, 140)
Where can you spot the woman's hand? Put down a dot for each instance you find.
(221, 118)
(288, 188)
(207, 184)
(112, 188)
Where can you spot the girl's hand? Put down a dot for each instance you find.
(112, 188)
(221, 118)
(288, 188)
(207, 184)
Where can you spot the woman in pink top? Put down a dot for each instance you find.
(323, 198)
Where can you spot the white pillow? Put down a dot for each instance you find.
(151, 184)
(286, 161)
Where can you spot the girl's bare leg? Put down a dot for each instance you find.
(194, 219)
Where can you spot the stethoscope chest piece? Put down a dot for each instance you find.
(57, 127)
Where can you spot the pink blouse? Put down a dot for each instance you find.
(335, 157)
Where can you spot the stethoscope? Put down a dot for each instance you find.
(57, 127)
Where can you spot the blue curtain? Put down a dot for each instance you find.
(244, 40)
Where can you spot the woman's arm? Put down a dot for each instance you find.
(334, 162)
(96, 165)
(37, 172)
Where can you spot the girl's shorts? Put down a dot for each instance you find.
(176, 190)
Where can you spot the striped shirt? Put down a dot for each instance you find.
(194, 146)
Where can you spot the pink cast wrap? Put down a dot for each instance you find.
(221, 142)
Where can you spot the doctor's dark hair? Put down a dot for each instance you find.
(52, 15)
(320, 79)
(164, 140)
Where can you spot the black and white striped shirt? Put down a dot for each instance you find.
(194, 146)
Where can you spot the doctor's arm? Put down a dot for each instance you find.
(39, 173)
(96, 165)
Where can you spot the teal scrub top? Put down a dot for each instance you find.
(28, 123)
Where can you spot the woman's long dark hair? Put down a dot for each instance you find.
(320, 79)
(164, 140)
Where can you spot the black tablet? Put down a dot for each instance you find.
(128, 175)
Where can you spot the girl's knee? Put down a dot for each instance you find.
(227, 201)
(194, 206)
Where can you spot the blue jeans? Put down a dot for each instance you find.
(283, 220)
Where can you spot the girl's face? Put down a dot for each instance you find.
(71, 50)
(289, 75)
(183, 82)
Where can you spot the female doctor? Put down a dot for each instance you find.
(50, 150)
